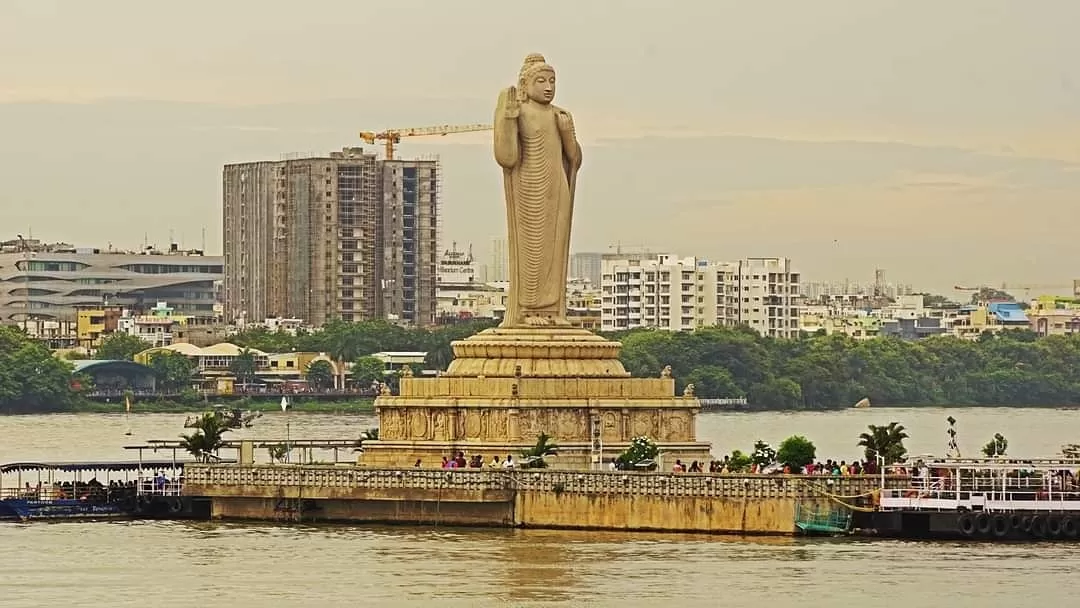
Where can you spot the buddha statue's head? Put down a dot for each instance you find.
(536, 81)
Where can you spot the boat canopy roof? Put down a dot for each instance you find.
(991, 463)
(122, 465)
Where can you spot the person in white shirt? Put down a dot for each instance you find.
(509, 462)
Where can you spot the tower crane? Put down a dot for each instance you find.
(393, 136)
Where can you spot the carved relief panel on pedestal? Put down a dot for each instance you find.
(392, 424)
(418, 424)
(676, 426)
(496, 426)
(610, 427)
(644, 424)
(474, 427)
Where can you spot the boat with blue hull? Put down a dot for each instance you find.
(72, 490)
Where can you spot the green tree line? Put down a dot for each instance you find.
(812, 372)
(819, 372)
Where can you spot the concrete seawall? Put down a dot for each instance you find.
(707, 503)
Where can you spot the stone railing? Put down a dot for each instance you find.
(197, 476)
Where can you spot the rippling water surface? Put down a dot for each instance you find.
(171, 563)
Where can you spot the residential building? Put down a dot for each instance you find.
(47, 284)
(667, 292)
(343, 236)
(93, 323)
(912, 328)
(1055, 315)
(162, 326)
(991, 316)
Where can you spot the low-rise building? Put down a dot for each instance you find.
(1055, 315)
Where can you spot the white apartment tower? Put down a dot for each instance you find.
(683, 294)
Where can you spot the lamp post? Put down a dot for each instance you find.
(285, 408)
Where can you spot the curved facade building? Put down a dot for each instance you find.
(47, 282)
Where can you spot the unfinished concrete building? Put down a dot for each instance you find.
(343, 236)
(409, 230)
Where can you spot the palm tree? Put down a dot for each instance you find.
(243, 366)
(208, 437)
(886, 441)
(533, 458)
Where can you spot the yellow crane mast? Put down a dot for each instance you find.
(393, 136)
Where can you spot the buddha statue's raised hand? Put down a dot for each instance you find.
(508, 101)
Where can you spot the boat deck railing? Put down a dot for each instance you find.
(51, 493)
(997, 491)
(149, 487)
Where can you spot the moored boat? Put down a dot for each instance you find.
(72, 490)
(980, 498)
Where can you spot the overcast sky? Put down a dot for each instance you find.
(938, 140)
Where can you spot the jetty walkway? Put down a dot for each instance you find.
(545, 498)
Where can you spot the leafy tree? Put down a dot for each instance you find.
(796, 452)
(996, 446)
(367, 370)
(641, 450)
(320, 375)
(739, 462)
(31, 379)
(243, 366)
(533, 458)
(121, 347)
(783, 393)
(208, 437)
(711, 381)
(763, 454)
(887, 440)
(172, 369)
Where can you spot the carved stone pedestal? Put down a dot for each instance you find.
(506, 386)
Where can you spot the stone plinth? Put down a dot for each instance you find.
(506, 386)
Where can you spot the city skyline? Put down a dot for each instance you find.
(945, 158)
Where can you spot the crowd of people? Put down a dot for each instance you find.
(458, 461)
(829, 467)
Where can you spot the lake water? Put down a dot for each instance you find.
(156, 563)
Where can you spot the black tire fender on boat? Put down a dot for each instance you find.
(1001, 525)
(1038, 526)
(1053, 526)
(1025, 523)
(966, 524)
(176, 505)
(982, 523)
(1016, 521)
(1068, 527)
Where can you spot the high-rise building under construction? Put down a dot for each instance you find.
(345, 236)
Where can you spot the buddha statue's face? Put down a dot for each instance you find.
(541, 87)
